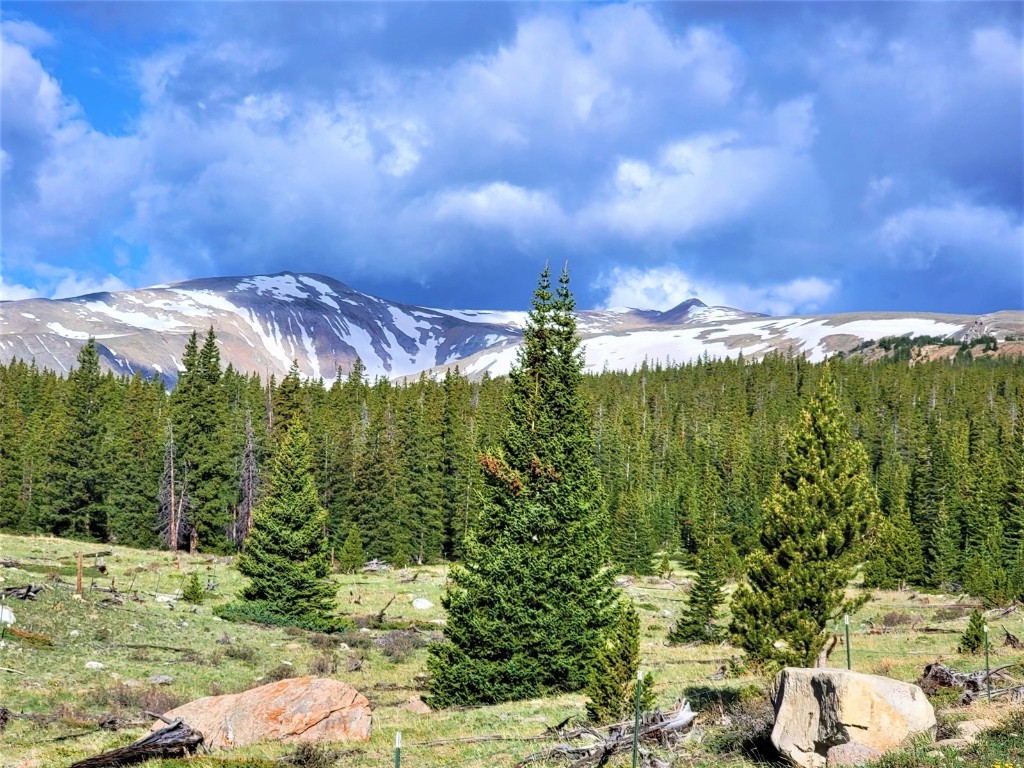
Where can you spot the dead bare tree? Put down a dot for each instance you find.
(174, 500)
(248, 487)
(178, 739)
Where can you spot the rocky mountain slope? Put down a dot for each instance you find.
(264, 322)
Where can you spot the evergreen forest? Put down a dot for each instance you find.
(685, 457)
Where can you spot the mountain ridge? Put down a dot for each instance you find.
(264, 322)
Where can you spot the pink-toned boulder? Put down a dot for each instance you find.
(291, 711)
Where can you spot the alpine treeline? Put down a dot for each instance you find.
(686, 455)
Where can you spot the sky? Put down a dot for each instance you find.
(780, 157)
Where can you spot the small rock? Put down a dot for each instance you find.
(165, 598)
(968, 730)
(216, 618)
(953, 743)
(343, 647)
(132, 684)
(416, 705)
(422, 604)
(365, 630)
(160, 680)
(850, 753)
(6, 615)
(74, 633)
(293, 646)
(95, 665)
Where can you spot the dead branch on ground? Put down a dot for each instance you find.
(178, 739)
(587, 746)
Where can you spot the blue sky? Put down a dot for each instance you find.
(780, 157)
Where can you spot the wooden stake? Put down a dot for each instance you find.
(78, 578)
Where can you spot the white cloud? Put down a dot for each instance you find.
(500, 205)
(667, 286)
(15, 291)
(916, 236)
(26, 34)
(75, 284)
(706, 181)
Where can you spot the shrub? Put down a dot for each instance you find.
(399, 644)
(324, 664)
(280, 672)
(241, 653)
(951, 612)
(257, 612)
(194, 591)
(974, 636)
(897, 619)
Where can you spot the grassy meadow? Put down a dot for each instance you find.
(58, 701)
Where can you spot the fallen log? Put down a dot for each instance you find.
(26, 592)
(176, 740)
(102, 553)
(938, 675)
(589, 746)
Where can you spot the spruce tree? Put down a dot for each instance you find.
(973, 638)
(815, 520)
(133, 464)
(286, 555)
(78, 483)
(204, 443)
(529, 607)
(350, 559)
(896, 553)
(697, 623)
(611, 690)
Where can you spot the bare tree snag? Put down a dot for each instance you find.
(830, 646)
(176, 740)
(78, 577)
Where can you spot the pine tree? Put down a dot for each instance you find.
(286, 556)
(896, 554)
(78, 482)
(973, 639)
(815, 520)
(351, 559)
(530, 606)
(611, 690)
(194, 591)
(204, 443)
(632, 542)
(133, 465)
(697, 623)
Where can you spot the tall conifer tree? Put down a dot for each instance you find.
(203, 440)
(528, 610)
(286, 555)
(815, 521)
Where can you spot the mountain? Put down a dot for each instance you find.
(264, 322)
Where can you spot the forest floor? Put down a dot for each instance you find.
(204, 655)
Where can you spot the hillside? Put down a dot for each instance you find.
(58, 701)
(264, 322)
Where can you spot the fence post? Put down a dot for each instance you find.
(846, 621)
(636, 718)
(988, 679)
(398, 749)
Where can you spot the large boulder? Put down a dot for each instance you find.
(296, 710)
(817, 709)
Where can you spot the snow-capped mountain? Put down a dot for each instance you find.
(265, 322)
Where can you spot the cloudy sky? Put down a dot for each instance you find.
(780, 157)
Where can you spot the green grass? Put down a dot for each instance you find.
(65, 699)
